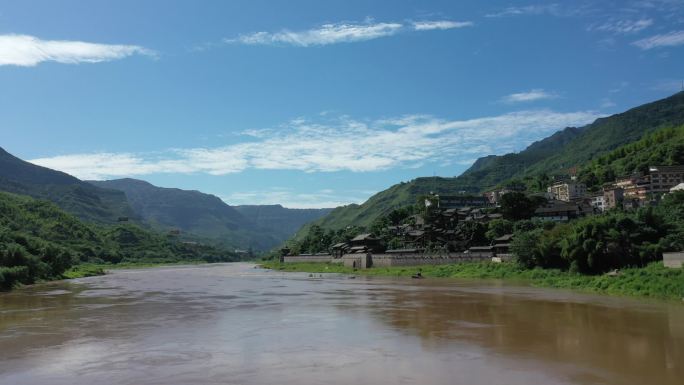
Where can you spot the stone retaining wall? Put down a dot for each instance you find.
(307, 258)
(674, 260)
(388, 260)
(413, 259)
(362, 261)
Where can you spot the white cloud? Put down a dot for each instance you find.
(28, 51)
(529, 96)
(538, 9)
(440, 24)
(337, 144)
(324, 35)
(623, 26)
(335, 33)
(292, 199)
(670, 39)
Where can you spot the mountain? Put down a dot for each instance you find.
(82, 199)
(606, 134)
(567, 148)
(193, 212)
(201, 216)
(281, 222)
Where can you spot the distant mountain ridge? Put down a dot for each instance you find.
(192, 212)
(82, 199)
(281, 221)
(567, 148)
(205, 215)
(198, 214)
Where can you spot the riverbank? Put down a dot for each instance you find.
(652, 281)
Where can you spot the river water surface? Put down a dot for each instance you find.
(235, 324)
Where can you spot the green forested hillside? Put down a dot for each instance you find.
(87, 202)
(664, 147)
(571, 147)
(196, 214)
(40, 241)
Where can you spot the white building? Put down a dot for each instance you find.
(598, 202)
(567, 191)
(679, 187)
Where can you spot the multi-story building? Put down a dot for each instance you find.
(663, 178)
(612, 197)
(635, 187)
(567, 191)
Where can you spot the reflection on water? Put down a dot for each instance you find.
(233, 324)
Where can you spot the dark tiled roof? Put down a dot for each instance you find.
(363, 237)
(480, 248)
(506, 237)
(400, 251)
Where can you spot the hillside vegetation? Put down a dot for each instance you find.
(197, 215)
(664, 147)
(39, 241)
(84, 200)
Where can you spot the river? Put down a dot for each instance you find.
(236, 324)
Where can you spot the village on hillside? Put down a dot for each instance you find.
(433, 236)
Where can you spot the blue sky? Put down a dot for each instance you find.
(316, 103)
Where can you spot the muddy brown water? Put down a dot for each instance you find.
(234, 324)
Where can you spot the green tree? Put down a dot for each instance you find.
(498, 228)
(516, 206)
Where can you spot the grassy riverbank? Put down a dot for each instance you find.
(654, 280)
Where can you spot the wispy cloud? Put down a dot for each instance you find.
(622, 26)
(324, 198)
(324, 35)
(440, 24)
(670, 39)
(529, 96)
(337, 144)
(668, 85)
(619, 87)
(607, 103)
(28, 51)
(535, 9)
(335, 33)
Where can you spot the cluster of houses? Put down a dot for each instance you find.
(437, 228)
(641, 189)
(434, 232)
(569, 199)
